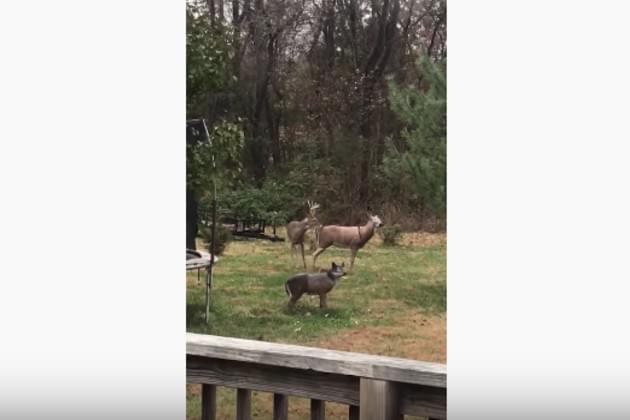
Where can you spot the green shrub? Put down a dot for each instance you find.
(223, 237)
(277, 202)
(390, 234)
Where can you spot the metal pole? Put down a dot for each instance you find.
(208, 274)
(214, 230)
(212, 249)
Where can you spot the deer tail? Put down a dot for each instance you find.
(286, 289)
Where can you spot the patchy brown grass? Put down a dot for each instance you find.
(413, 336)
(423, 239)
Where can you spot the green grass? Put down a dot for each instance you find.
(248, 298)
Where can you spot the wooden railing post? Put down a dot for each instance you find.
(353, 412)
(378, 400)
(208, 402)
(243, 404)
(280, 407)
(318, 410)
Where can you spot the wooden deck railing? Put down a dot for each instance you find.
(374, 387)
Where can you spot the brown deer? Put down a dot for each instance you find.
(313, 284)
(353, 237)
(297, 229)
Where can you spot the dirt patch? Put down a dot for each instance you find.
(414, 336)
(194, 389)
(423, 239)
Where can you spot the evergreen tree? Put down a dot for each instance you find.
(421, 163)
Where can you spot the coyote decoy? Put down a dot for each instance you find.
(297, 229)
(313, 284)
(353, 237)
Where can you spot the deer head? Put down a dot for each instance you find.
(375, 219)
(312, 207)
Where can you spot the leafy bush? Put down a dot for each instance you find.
(223, 237)
(390, 234)
(276, 202)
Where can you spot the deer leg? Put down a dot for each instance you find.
(294, 251)
(353, 254)
(316, 254)
(303, 260)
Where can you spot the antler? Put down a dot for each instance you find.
(312, 206)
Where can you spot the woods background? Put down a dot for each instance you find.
(339, 101)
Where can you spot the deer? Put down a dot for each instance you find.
(313, 284)
(297, 229)
(353, 237)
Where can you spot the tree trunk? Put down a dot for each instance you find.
(373, 73)
(329, 34)
(237, 18)
(212, 10)
(364, 186)
(273, 122)
(192, 206)
(260, 93)
(221, 11)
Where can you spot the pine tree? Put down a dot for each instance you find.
(421, 164)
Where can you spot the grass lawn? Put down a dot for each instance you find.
(394, 304)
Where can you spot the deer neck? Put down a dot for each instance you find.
(366, 232)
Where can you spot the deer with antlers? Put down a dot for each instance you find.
(353, 237)
(297, 229)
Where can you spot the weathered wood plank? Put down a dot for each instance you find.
(353, 412)
(317, 359)
(379, 400)
(280, 407)
(208, 402)
(297, 382)
(243, 404)
(422, 401)
(318, 409)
